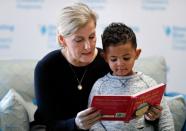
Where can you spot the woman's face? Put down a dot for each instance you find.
(80, 46)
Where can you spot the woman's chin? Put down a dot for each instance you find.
(86, 61)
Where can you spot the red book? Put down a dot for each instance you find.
(125, 108)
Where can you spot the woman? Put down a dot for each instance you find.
(64, 78)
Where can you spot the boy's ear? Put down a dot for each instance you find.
(138, 52)
(61, 40)
(104, 56)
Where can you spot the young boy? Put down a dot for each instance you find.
(120, 52)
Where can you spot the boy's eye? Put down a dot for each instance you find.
(126, 58)
(113, 59)
(78, 40)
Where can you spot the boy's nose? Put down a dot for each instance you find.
(120, 62)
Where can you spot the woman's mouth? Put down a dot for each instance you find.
(87, 53)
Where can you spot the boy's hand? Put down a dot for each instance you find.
(153, 113)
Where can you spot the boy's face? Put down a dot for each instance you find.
(121, 58)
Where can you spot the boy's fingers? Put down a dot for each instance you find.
(158, 107)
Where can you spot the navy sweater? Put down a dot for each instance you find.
(58, 97)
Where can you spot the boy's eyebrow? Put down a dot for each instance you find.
(122, 55)
(127, 54)
(78, 36)
(113, 56)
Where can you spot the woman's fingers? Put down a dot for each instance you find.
(85, 119)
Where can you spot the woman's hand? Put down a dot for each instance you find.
(153, 113)
(86, 118)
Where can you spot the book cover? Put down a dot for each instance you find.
(125, 108)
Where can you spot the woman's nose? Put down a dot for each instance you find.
(87, 45)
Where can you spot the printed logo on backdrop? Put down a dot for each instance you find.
(154, 4)
(177, 35)
(95, 4)
(29, 4)
(6, 35)
(48, 32)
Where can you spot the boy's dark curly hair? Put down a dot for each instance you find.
(118, 33)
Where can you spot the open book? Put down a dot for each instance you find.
(125, 108)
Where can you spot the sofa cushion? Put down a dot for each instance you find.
(30, 108)
(13, 115)
(17, 74)
(154, 66)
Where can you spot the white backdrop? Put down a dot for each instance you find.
(28, 29)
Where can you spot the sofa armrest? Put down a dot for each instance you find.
(177, 105)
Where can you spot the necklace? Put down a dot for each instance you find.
(80, 87)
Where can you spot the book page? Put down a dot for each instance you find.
(145, 99)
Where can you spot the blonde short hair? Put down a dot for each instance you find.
(74, 17)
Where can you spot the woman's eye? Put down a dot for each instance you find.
(91, 37)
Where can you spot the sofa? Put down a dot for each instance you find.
(18, 104)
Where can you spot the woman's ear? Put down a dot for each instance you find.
(61, 40)
(138, 52)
